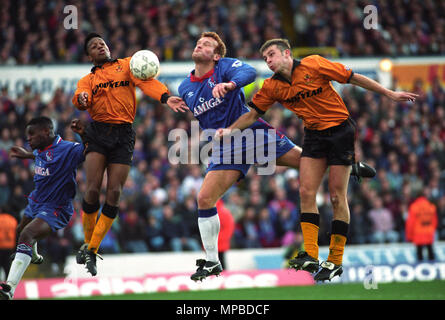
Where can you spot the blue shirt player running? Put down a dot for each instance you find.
(213, 92)
(50, 203)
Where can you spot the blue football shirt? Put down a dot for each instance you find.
(211, 112)
(55, 171)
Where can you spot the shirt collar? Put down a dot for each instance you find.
(194, 78)
(93, 69)
(56, 140)
(278, 76)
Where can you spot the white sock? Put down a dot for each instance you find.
(209, 230)
(18, 268)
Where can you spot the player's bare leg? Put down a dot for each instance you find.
(292, 159)
(116, 176)
(311, 174)
(338, 186)
(94, 166)
(36, 257)
(215, 184)
(33, 231)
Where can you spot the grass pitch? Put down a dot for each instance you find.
(431, 290)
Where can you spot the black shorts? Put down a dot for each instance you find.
(114, 141)
(336, 144)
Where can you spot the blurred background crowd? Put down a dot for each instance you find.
(405, 142)
(31, 31)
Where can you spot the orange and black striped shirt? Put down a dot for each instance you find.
(310, 94)
(111, 91)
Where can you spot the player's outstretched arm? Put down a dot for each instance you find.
(20, 153)
(369, 84)
(241, 123)
(176, 104)
(158, 91)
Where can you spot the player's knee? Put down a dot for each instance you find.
(113, 196)
(205, 200)
(337, 200)
(92, 195)
(27, 235)
(307, 194)
(334, 201)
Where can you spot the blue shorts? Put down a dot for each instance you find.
(55, 215)
(242, 153)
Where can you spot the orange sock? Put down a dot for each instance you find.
(338, 241)
(88, 223)
(336, 249)
(309, 227)
(103, 225)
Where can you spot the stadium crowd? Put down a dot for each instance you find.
(33, 32)
(404, 142)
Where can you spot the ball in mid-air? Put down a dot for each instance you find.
(144, 64)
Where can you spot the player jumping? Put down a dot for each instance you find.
(305, 88)
(108, 93)
(213, 92)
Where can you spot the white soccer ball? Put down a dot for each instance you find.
(144, 64)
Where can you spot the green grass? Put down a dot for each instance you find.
(434, 290)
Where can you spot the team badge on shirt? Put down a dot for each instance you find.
(308, 79)
(49, 156)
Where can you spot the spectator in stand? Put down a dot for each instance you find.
(154, 236)
(17, 201)
(383, 222)
(246, 231)
(170, 28)
(187, 211)
(285, 226)
(394, 205)
(360, 225)
(59, 246)
(266, 230)
(175, 232)
(132, 233)
(5, 189)
(421, 225)
(280, 203)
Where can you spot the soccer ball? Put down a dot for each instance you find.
(144, 64)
